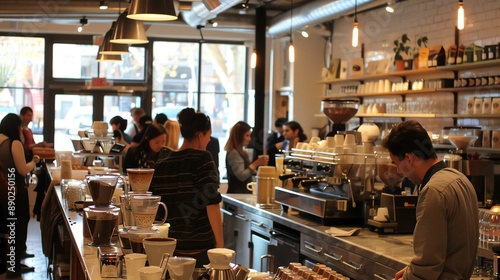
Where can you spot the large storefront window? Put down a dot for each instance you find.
(76, 61)
(222, 91)
(22, 77)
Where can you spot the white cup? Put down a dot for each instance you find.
(150, 273)
(252, 186)
(163, 230)
(382, 212)
(134, 262)
(339, 139)
(349, 140)
(330, 142)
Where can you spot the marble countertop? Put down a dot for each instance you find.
(393, 250)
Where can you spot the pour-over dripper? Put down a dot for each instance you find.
(101, 188)
(181, 268)
(101, 222)
(140, 179)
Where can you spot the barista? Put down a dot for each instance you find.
(293, 133)
(447, 205)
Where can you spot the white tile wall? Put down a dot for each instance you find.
(437, 20)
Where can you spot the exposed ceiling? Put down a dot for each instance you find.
(232, 14)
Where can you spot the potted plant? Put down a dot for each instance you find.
(402, 53)
(422, 40)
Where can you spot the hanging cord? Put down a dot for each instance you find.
(291, 18)
(199, 27)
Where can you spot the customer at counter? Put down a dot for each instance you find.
(133, 127)
(188, 184)
(173, 133)
(293, 133)
(446, 235)
(118, 125)
(275, 138)
(150, 149)
(27, 139)
(144, 123)
(239, 168)
(13, 162)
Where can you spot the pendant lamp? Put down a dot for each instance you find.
(253, 59)
(111, 48)
(128, 31)
(461, 16)
(107, 57)
(152, 10)
(355, 30)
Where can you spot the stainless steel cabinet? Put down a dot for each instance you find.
(236, 230)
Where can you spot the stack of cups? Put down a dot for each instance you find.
(266, 179)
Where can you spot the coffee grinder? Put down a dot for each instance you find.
(479, 171)
(339, 111)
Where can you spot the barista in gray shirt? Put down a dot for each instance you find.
(446, 234)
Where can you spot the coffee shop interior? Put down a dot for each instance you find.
(357, 68)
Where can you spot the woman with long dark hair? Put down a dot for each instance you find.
(150, 149)
(239, 168)
(293, 133)
(15, 167)
(188, 183)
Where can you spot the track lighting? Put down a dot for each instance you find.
(304, 34)
(103, 5)
(390, 7)
(213, 23)
(461, 16)
(83, 21)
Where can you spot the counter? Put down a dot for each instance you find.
(394, 251)
(84, 262)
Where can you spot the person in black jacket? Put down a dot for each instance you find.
(273, 139)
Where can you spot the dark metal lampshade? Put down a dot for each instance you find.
(108, 57)
(152, 10)
(128, 31)
(111, 48)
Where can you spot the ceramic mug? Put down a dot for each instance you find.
(252, 186)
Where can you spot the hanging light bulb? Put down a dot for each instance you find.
(253, 59)
(355, 30)
(83, 21)
(355, 34)
(461, 16)
(291, 52)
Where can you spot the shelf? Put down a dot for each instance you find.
(433, 70)
(463, 89)
(374, 94)
(469, 149)
(470, 65)
(384, 75)
(424, 115)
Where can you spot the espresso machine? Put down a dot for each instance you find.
(330, 183)
(480, 172)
